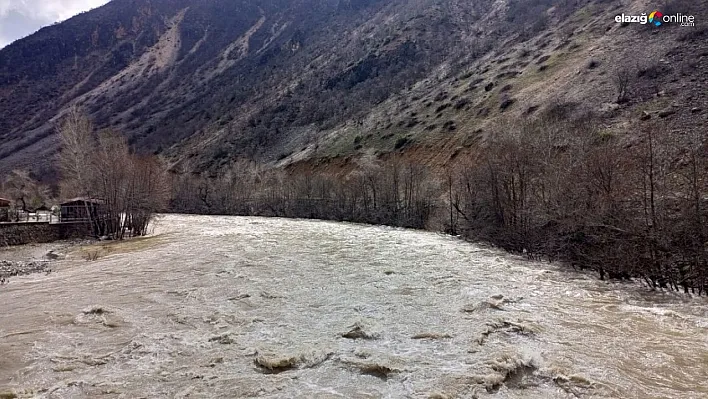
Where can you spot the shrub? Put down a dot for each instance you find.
(402, 142)
(592, 64)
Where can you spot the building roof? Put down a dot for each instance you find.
(83, 200)
(4, 202)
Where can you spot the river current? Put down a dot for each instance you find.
(232, 307)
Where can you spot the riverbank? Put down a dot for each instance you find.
(21, 260)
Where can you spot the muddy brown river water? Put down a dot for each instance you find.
(227, 307)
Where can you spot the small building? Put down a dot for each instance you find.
(82, 210)
(5, 210)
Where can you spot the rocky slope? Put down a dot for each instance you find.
(284, 81)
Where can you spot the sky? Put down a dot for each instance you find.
(20, 18)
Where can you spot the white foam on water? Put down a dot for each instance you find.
(188, 316)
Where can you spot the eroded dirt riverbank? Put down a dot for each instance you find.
(251, 307)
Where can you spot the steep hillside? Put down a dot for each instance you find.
(283, 81)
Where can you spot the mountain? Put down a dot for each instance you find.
(207, 82)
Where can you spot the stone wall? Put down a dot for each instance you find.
(30, 233)
(75, 230)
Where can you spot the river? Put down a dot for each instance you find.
(231, 307)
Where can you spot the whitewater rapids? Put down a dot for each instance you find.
(235, 307)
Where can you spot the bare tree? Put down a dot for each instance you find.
(132, 188)
(77, 143)
(26, 192)
(622, 80)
